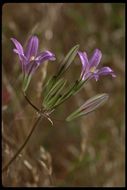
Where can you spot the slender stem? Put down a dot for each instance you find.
(22, 146)
(28, 100)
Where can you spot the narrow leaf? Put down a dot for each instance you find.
(55, 97)
(89, 106)
(54, 89)
(48, 85)
(66, 95)
(68, 60)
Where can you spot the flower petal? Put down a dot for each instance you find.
(32, 66)
(32, 47)
(84, 60)
(95, 59)
(18, 46)
(85, 65)
(22, 58)
(44, 56)
(104, 71)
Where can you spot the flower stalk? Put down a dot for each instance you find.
(28, 100)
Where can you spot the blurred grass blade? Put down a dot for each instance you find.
(89, 106)
(68, 60)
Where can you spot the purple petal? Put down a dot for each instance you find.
(105, 71)
(18, 46)
(84, 60)
(95, 59)
(95, 76)
(45, 56)
(32, 47)
(21, 56)
(33, 65)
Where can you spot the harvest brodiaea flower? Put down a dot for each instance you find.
(30, 58)
(90, 66)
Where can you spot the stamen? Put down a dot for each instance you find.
(32, 58)
(92, 69)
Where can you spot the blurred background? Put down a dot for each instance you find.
(88, 151)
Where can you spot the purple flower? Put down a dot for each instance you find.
(30, 58)
(90, 67)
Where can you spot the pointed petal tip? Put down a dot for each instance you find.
(113, 75)
(82, 53)
(46, 55)
(95, 58)
(84, 60)
(52, 58)
(98, 52)
(51, 55)
(97, 49)
(13, 39)
(33, 36)
(106, 71)
(17, 45)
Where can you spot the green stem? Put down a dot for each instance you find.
(22, 146)
(28, 100)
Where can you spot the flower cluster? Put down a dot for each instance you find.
(54, 91)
